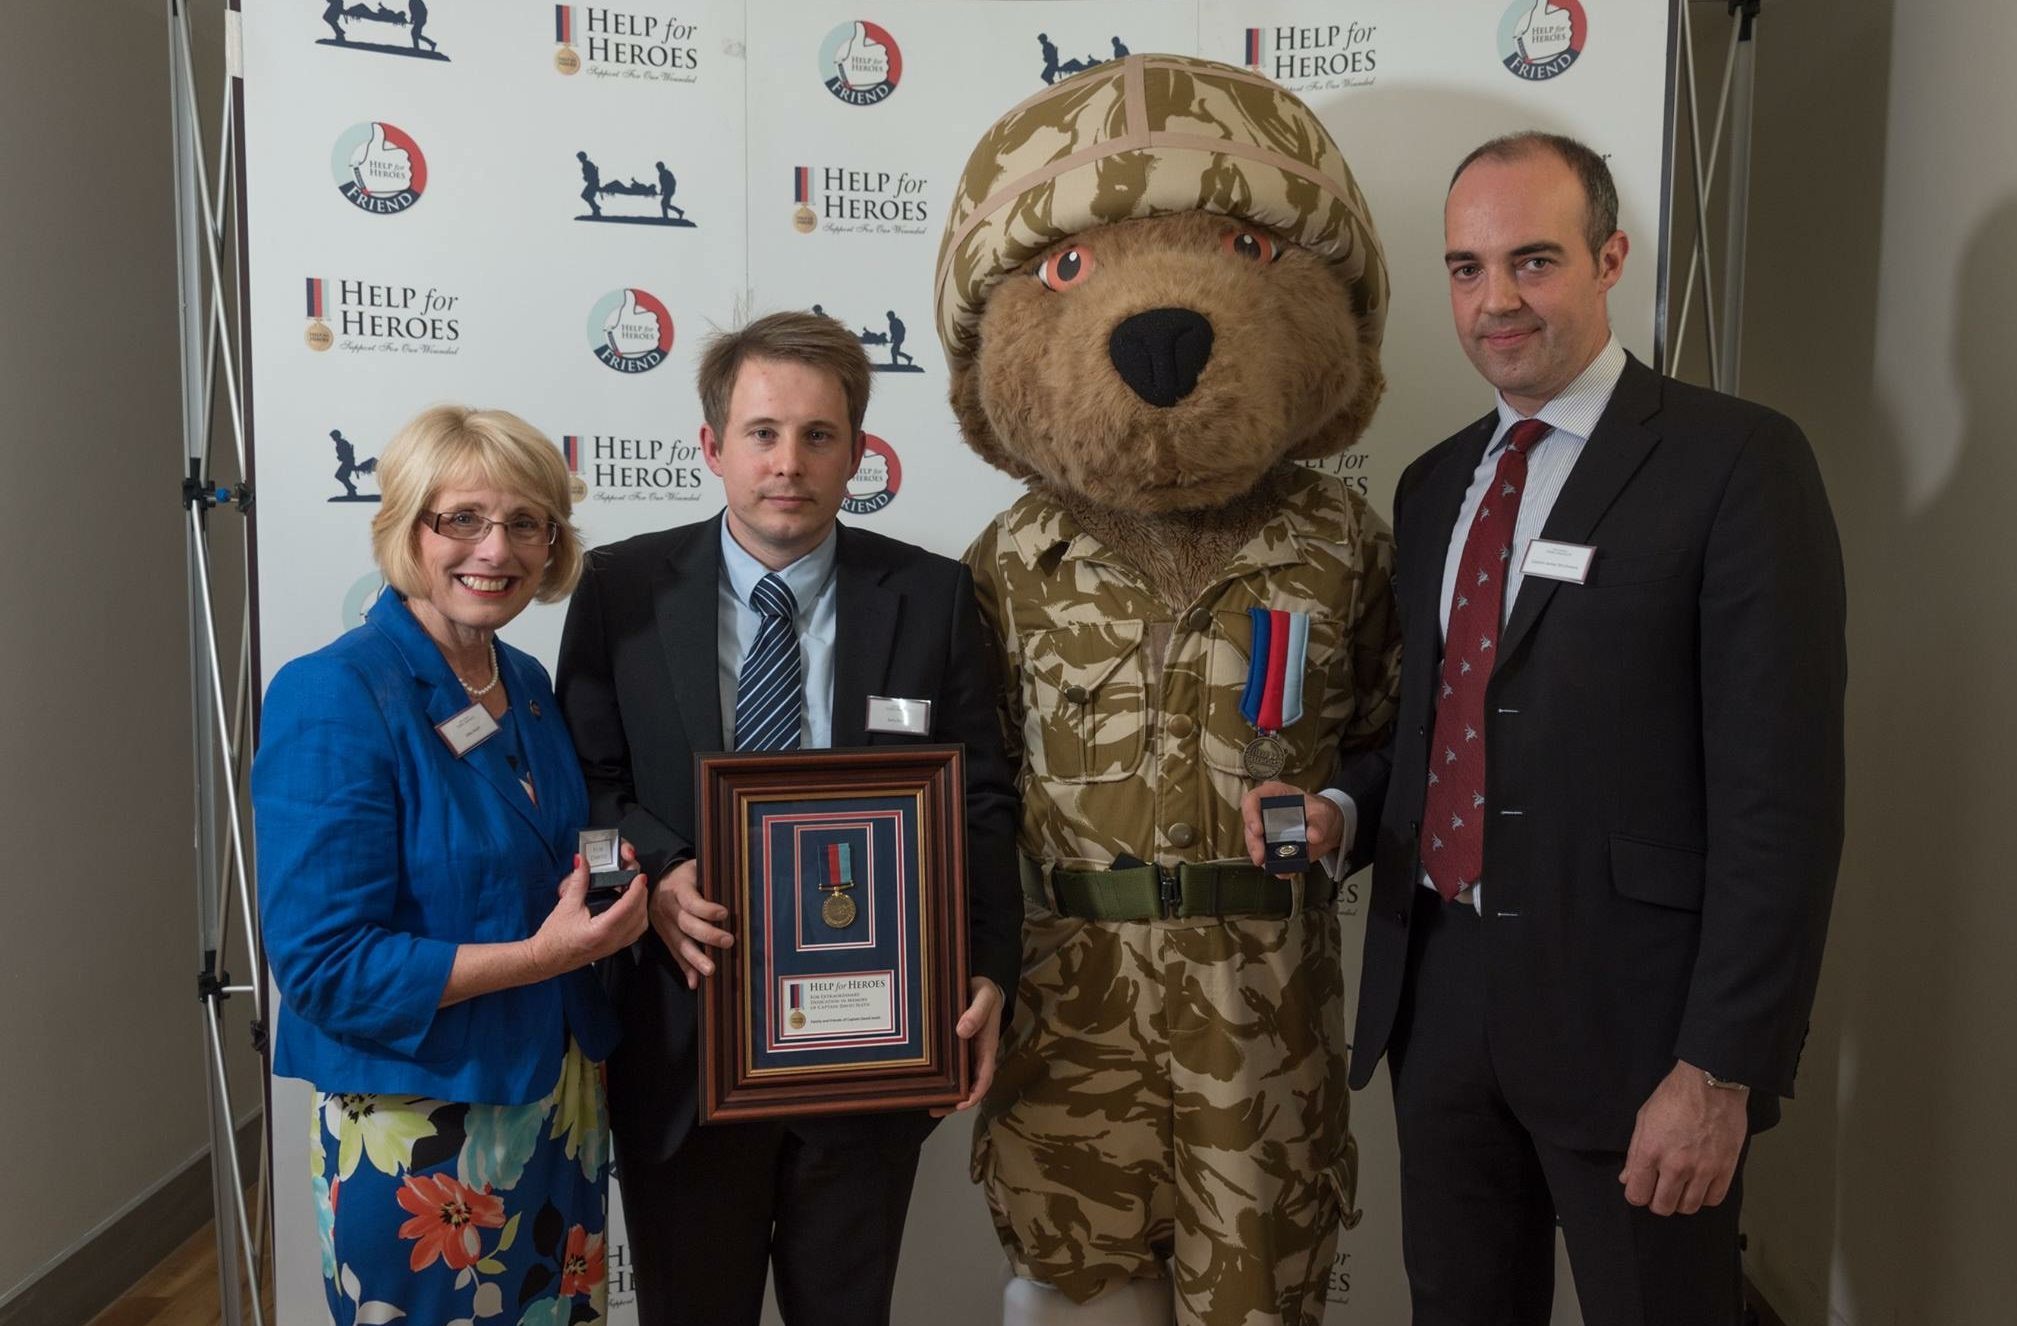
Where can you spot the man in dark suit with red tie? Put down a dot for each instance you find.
(1605, 836)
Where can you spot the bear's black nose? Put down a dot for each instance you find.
(1160, 352)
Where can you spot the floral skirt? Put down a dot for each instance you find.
(432, 1211)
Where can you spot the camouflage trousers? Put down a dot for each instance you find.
(1174, 1092)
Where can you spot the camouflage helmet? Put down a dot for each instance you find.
(1150, 135)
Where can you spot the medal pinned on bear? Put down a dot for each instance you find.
(1273, 698)
(838, 911)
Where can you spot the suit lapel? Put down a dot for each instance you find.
(866, 617)
(1618, 446)
(446, 698)
(687, 605)
(1432, 520)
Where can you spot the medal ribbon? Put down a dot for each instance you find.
(1273, 698)
(839, 865)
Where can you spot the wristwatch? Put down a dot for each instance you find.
(1722, 1084)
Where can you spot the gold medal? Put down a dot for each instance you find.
(577, 487)
(1264, 757)
(838, 910)
(797, 1019)
(567, 60)
(803, 220)
(318, 336)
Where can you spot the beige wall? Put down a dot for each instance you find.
(99, 1027)
(1883, 315)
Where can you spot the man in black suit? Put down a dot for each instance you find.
(675, 644)
(1605, 835)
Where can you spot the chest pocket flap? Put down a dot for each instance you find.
(1085, 701)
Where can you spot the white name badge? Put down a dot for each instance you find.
(1558, 561)
(909, 717)
(467, 730)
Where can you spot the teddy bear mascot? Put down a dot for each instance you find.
(1158, 289)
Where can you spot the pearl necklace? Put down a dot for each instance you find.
(478, 692)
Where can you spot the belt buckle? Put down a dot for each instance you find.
(1170, 890)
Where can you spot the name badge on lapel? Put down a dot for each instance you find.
(910, 718)
(467, 730)
(1558, 561)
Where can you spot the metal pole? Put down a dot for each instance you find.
(214, 738)
(1736, 222)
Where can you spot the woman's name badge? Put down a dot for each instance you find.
(467, 730)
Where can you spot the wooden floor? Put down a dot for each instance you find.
(181, 1291)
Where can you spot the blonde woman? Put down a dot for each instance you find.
(417, 801)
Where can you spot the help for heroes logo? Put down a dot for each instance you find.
(378, 168)
(376, 317)
(623, 43)
(1314, 57)
(859, 200)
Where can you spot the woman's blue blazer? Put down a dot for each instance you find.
(381, 851)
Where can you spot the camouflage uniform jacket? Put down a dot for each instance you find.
(1123, 712)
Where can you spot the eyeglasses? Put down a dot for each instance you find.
(468, 527)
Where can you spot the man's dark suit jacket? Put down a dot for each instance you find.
(1664, 765)
(639, 684)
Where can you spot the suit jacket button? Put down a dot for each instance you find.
(1400, 916)
(1181, 726)
(1077, 694)
(1182, 835)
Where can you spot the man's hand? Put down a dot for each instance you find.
(981, 1024)
(688, 923)
(1545, 32)
(1686, 1143)
(1326, 824)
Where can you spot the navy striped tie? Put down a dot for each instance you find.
(767, 695)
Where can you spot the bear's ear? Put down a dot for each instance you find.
(1343, 429)
(973, 421)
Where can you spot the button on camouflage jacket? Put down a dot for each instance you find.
(1123, 712)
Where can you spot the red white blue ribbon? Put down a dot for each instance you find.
(1273, 698)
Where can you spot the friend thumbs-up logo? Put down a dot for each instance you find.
(1539, 39)
(860, 64)
(630, 331)
(378, 168)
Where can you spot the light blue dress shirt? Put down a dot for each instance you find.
(1572, 415)
(811, 581)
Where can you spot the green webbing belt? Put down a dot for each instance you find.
(1144, 893)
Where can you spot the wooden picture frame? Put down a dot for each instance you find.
(844, 875)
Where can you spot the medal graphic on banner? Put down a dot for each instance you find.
(318, 335)
(565, 58)
(802, 220)
(838, 910)
(1273, 698)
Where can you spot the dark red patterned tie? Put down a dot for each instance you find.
(1453, 822)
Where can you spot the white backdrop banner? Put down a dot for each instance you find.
(547, 207)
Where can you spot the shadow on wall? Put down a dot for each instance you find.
(1925, 924)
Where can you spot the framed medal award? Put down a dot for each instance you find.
(844, 875)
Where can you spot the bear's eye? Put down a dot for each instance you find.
(1062, 271)
(1253, 245)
